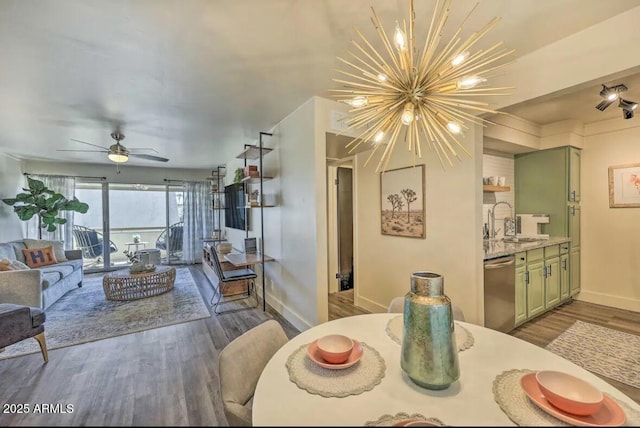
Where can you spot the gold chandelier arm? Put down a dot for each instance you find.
(385, 65)
(383, 36)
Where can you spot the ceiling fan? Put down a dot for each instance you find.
(117, 152)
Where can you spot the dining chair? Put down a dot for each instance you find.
(226, 278)
(240, 365)
(397, 306)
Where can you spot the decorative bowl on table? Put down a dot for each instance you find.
(141, 268)
(569, 393)
(335, 348)
(224, 247)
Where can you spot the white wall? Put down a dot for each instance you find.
(610, 267)
(453, 244)
(11, 183)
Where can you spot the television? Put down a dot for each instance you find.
(235, 213)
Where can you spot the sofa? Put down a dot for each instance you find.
(38, 287)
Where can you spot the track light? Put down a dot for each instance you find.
(628, 108)
(610, 94)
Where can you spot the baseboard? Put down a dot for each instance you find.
(291, 316)
(368, 304)
(613, 301)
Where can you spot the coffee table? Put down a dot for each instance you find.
(124, 285)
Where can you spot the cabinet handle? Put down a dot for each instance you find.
(573, 211)
(573, 195)
(564, 264)
(550, 270)
(526, 278)
(544, 272)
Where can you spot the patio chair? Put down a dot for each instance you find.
(90, 242)
(175, 240)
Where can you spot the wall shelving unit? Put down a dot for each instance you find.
(257, 153)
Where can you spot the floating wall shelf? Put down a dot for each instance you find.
(489, 188)
(252, 153)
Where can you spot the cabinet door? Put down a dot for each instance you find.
(521, 295)
(535, 289)
(574, 224)
(552, 282)
(564, 277)
(574, 174)
(574, 269)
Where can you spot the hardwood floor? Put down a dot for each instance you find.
(166, 376)
(169, 376)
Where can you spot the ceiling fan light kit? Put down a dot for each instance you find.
(418, 96)
(612, 93)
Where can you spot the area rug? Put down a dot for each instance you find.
(601, 350)
(85, 315)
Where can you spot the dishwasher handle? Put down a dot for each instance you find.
(499, 265)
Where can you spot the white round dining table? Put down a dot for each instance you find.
(467, 402)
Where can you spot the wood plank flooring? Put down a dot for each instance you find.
(163, 377)
(169, 376)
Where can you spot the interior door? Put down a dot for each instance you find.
(345, 227)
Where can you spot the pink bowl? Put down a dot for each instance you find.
(335, 348)
(569, 393)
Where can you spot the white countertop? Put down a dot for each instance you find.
(498, 248)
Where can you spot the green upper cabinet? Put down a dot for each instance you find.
(546, 181)
(574, 174)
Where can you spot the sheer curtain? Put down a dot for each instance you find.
(64, 232)
(197, 217)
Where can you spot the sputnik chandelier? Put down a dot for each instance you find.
(418, 97)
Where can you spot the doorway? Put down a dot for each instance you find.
(344, 225)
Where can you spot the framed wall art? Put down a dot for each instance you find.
(402, 207)
(624, 186)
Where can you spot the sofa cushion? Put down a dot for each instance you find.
(16, 265)
(64, 269)
(50, 278)
(58, 247)
(7, 251)
(75, 264)
(37, 257)
(18, 246)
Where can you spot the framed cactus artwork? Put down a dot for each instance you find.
(402, 202)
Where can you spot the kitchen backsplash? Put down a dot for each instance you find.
(502, 167)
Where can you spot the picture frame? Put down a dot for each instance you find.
(250, 246)
(402, 202)
(624, 186)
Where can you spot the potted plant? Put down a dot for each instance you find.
(45, 203)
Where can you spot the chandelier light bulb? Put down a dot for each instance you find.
(359, 101)
(382, 77)
(470, 82)
(379, 136)
(407, 114)
(454, 127)
(400, 38)
(460, 58)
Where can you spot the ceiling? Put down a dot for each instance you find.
(191, 77)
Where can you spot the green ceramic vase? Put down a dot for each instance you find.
(429, 351)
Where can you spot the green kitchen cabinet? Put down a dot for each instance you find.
(548, 182)
(574, 271)
(564, 277)
(521, 295)
(534, 277)
(552, 282)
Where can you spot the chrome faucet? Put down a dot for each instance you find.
(491, 218)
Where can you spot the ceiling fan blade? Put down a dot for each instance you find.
(149, 157)
(604, 104)
(141, 148)
(94, 145)
(92, 151)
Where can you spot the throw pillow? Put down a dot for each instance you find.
(37, 257)
(58, 247)
(5, 265)
(18, 265)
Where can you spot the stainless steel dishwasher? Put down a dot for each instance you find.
(500, 293)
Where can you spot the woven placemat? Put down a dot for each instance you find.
(464, 338)
(399, 418)
(361, 377)
(515, 403)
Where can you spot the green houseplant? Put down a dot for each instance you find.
(45, 203)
